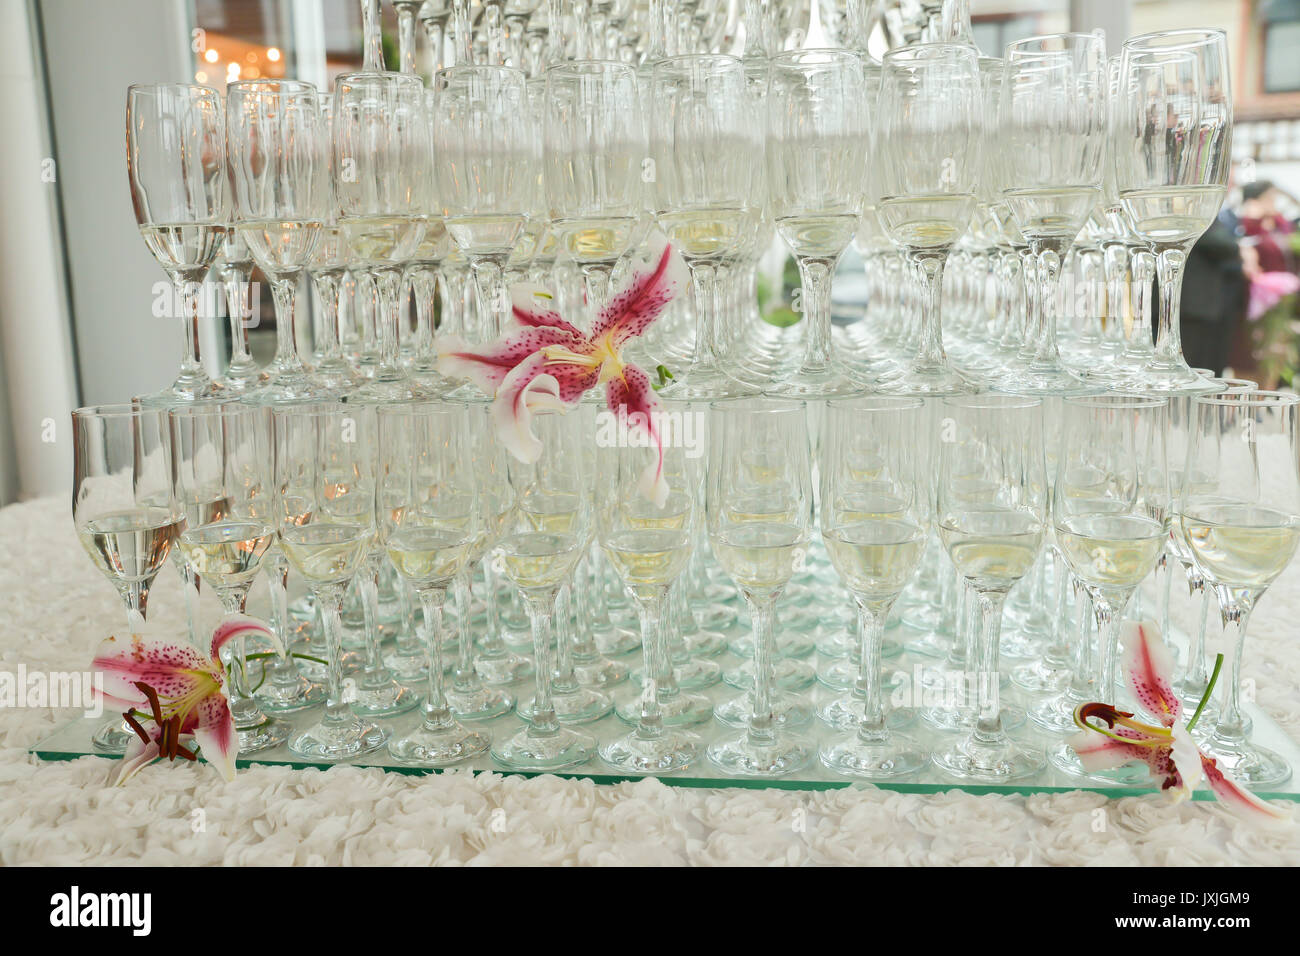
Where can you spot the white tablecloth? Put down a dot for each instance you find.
(56, 607)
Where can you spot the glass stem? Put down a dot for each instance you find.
(1116, 269)
(1233, 727)
(929, 272)
(329, 598)
(657, 666)
(564, 679)
(1109, 615)
(284, 291)
(239, 309)
(388, 281)
(704, 279)
(493, 297)
(584, 641)
(494, 26)
(595, 281)
(1170, 263)
(190, 585)
(540, 612)
(1142, 269)
(192, 378)
(328, 285)
(433, 31)
(406, 36)
(762, 724)
(437, 713)
(1196, 677)
(375, 673)
(815, 275)
(373, 58)
(988, 722)
(871, 635)
(464, 678)
(1049, 280)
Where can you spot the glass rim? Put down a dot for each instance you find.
(1117, 400)
(415, 405)
(759, 404)
(274, 86)
(1253, 397)
(585, 67)
(829, 52)
(152, 89)
(205, 407)
(881, 403)
(313, 408)
(1082, 36)
(468, 69)
(118, 410)
(684, 59)
(908, 53)
(991, 400)
(1195, 36)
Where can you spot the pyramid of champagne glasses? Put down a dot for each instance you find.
(976, 468)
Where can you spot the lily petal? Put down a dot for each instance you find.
(1149, 666)
(241, 625)
(1186, 757)
(534, 386)
(213, 727)
(650, 285)
(138, 756)
(1237, 798)
(488, 365)
(170, 668)
(532, 306)
(632, 395)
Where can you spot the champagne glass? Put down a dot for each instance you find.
(704, 162)
(875, 499)
(175, 153)
(124, 508)
(280, 169)
(224, 482)
(550, 532)
(1172, 154)
(991, 510)
(929, 132)
(488, 159)
(817, 134)
(1110, 513)
(759, 506)
(430, 521)
(325, 489)
(648, 540)
(1051, 142)
(593, 163)
(1240, 521)
(382, 152)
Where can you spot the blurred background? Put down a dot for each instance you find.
(81, 319)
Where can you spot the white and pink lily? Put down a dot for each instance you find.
(183, 691)
(545, 364)
(1168, 750)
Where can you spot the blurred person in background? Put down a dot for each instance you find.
(1214, 298)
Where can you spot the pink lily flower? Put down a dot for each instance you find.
(1168, 750)
(184, 692)
(545, 364)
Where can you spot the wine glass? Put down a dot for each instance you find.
(817, 134)
(991, 511)
(929, 132)
(1110, 514)
(593, 164)
(1239, 518)
(648, 536)
(537, 554)
(124, 508)
(430, 521)
(325, 490)
(175, 157)
(1051, 143)
(382, 152)
(759, 505)
(1172, 154)
(224, 483)
(704, 163)
(279, 165)
(875, 513)
(488, 160)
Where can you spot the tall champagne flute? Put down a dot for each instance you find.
(875, 512)
(325, 493)
(382, 152)
(175, 156)
(488, 159)
(538, 554)
(1172, 154)
(593, 163)
(279, 164)
(1050, 142)
(817, 133)
(704, 162)
(648, 542)
(1241, 524)
(224, 482)
(429, 521)
(124, 508)
(991, 509)
(929, 133)
(759, 505)
(1110, 514)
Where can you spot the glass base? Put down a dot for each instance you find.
(1055, 714)
(846, 713)
(663, 753)
(289, 696)
(1041, 677)
(788, 710)
(789, 645)
(560, 750)
(1168, 378)
(843, 674)
(617, 641)
(952, 719)
(893, 756)
(1064, 758)
(112, 737)
(784, 754)
(680, 710)
(992, 762)
(386, 699)
(1044, 380)
(932, 381)
(506, 668)
(428, 746)
(340, 740)
(789, 675)
(599, 671)
(479, 703)
(269, 733)
(409, 666)
(714, 616)
(1247, 764)
(580, 706)
(817, 383)
(930, 644)
(705, 643)
(693, 673)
